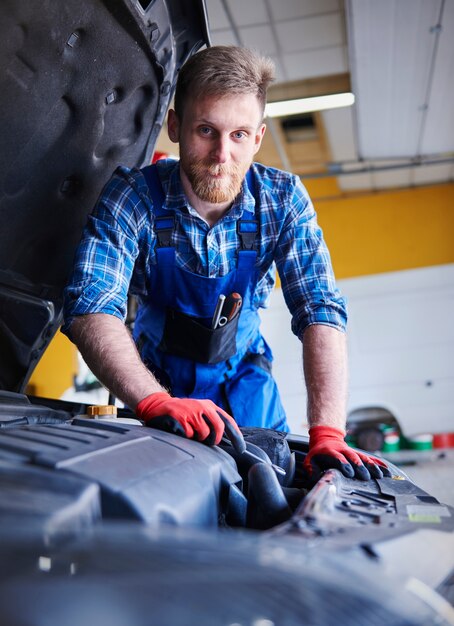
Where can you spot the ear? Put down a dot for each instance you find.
(173, 126)
(258, 137)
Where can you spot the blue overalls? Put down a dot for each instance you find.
(230, 364)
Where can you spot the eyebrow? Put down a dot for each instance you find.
(210, 123)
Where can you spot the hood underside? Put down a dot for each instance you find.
(85, 86)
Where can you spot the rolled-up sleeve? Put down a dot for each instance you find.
(305, 268)
(105, 257)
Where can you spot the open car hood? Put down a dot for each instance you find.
(85, 86)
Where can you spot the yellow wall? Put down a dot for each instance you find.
(385, 231)
(54, 373)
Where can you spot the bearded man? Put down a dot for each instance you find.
(197, 241)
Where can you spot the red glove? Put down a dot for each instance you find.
(327, 449)
(196, 419)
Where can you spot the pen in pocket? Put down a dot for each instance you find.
(217, 311)
(231, 308)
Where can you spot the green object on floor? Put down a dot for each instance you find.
(392, 439)
(421, 442)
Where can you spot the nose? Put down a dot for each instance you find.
(221, 150)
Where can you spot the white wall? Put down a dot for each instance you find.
(401, 348)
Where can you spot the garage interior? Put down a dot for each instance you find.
(380, 175)
(106, 521)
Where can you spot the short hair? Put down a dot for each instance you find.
(223, 71)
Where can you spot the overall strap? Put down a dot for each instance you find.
(164, 221)
(164, 225)
(248, 230)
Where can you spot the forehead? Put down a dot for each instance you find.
(229, 110)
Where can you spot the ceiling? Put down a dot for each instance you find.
(395, 55)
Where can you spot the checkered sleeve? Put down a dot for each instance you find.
(105, 257)
(305, 268)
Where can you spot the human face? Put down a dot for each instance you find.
(218, 139)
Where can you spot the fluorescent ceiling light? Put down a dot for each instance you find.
(305, 105)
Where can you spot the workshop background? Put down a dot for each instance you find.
(380, 173)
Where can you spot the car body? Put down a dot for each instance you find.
(104, 520)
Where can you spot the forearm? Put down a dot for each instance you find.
(109, 351)
(326, 375)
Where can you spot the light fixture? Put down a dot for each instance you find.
(305, 105)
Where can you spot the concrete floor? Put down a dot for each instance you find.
(433, 471)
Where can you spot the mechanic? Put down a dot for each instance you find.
(196, 241)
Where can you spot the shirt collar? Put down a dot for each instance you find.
(169, 172)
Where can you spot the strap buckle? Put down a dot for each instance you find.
(164, 227)
(247, 232)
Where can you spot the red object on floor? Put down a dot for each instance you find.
(443, 440)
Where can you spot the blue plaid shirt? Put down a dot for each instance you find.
(118, 243)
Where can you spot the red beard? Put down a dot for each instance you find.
(215, 190)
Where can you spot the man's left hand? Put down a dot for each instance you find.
(196, 419)
(327, 449)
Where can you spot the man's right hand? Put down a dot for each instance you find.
(196, 419)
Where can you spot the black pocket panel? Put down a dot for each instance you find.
(187, 337)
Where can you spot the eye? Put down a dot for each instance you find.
(239, 134)
(205, 131)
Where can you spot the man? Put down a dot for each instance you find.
(195, 241)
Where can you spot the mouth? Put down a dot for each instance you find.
(217, 172)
